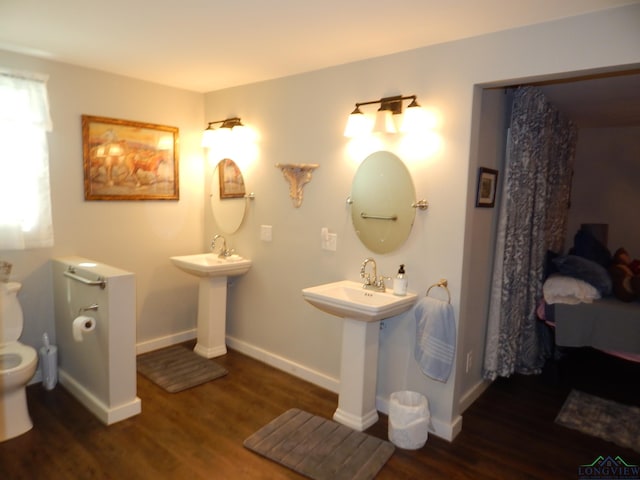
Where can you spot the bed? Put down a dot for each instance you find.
(607, 324)
(579, 305)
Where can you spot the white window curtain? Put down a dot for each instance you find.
(25, 199)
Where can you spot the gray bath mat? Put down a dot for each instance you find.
(320, 449)
(178, 368)
(598, 417)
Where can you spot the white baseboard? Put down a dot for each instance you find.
(439, 428)
(473, 394)
(281, 363)
(105, 414)
(284, 364)
(161, 342)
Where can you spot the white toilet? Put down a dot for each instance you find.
(18, 364)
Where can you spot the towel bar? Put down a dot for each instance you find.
(379, 217)
(442, 284)
(71, 273)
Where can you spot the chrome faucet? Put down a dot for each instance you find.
(223, 251)
(371, 282)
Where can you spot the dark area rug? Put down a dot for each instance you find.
(319, 448)
(598, 417)
(178, 368)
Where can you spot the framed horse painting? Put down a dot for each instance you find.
(125, 160)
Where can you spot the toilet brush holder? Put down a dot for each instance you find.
(49, 364)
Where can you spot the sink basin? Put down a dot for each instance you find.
(210, 265)
(348, 299)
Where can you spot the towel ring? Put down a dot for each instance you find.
(442, 284)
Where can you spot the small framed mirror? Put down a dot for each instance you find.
(228, 202)
(382, 198)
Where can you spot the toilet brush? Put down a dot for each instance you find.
(48, 363)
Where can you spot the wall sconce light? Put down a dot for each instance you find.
(388, 119)
(230, 128)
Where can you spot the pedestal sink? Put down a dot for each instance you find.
(362, 311)
(212, 297)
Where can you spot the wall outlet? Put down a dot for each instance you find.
(469, 361)
(266, 233)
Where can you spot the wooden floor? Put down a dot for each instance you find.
(197, 434)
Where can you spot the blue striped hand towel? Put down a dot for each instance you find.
(435, 337)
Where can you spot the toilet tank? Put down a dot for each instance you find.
(11, 318)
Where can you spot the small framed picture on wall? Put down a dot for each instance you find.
(487, 182)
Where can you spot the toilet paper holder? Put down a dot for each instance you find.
(93, 307)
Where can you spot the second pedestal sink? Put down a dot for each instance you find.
(212, 296)
(211, 265)
(361, 310)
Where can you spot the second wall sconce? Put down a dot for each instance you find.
(388, 119)
(230, 129)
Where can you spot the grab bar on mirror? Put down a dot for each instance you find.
(379, 217)
(71, 273)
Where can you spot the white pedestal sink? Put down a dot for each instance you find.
(362, 311)
(212, 297)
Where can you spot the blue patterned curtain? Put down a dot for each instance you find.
(533, 219)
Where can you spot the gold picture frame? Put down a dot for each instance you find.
(127, 160)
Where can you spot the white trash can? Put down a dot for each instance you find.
(409, 419)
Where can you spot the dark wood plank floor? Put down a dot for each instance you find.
(197, 434)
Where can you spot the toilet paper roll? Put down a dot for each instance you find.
(82, 325)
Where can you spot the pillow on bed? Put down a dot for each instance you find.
(563, 289)
(586, 245)
(586, 270)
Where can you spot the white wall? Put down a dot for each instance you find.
(300, 120)
(135, 236)
(606, 185)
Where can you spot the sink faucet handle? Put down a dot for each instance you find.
(380, 282)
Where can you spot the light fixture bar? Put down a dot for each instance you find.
(226, 123)
(212, 135)
(386, 118)
(391, 103)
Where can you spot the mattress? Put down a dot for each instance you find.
(606, 324)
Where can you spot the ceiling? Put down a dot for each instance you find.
(206, 45)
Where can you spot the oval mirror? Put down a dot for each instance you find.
(382, 194)
(228, 201)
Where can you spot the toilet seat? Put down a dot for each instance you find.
(15, 357)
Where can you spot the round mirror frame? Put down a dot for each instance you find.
(382, 199)
(228, 205)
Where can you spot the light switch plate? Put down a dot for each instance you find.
(330, 242)
(266, 233)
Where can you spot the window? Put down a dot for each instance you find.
(25, 199)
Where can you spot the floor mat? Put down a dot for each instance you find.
(598, 417)
(320, 449)
(178, 368)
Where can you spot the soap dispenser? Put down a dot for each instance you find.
(400, 282)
